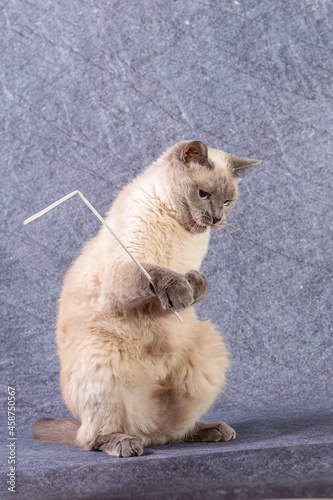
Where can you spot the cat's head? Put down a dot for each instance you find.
(205, 182)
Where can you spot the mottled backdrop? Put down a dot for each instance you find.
(91, 93)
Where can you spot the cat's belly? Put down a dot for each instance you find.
(188, 383)
(156, 396)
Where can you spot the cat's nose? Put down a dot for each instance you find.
(216, 220)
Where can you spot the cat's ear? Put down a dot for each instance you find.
(195, 151)
(238, 164)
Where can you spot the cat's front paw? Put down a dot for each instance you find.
(173, 290)
(198, 283)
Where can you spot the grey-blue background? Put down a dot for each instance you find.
(91, 93)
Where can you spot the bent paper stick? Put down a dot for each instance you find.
(89, 205)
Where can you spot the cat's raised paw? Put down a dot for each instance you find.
(173, 290)
(198, 283)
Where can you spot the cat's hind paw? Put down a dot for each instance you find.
(213, 432)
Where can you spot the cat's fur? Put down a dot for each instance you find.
(131, 373)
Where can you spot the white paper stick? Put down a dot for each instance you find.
(89, 205)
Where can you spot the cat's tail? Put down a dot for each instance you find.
(60, 431)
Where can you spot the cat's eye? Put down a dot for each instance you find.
(204, 196)
(226, 203)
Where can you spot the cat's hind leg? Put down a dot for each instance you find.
(119, 445)
(216, 431)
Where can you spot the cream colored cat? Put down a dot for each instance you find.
(131, 373)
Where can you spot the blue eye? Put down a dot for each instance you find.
(204, 196)
(226, 203)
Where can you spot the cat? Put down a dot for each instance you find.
(131, 373)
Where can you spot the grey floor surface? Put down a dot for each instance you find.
(91, 93)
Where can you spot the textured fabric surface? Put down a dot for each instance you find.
(91, 93)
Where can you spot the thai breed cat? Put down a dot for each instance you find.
(132, 374)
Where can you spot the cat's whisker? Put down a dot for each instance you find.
(221, 234)
(226, 272)
(240, 230)
(242, 237)
(233, 228)
(233, 239)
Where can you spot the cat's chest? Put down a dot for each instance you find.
(159, 239)
(188, 251)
